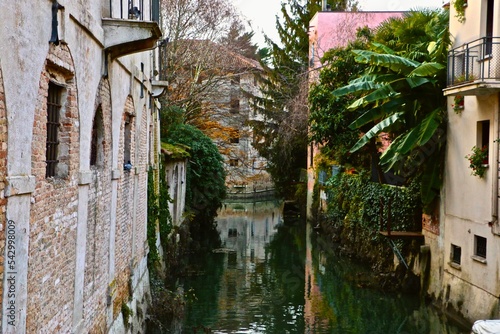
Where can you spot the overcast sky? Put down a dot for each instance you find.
(262, 13)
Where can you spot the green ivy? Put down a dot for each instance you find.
(354, 200)
(158, 212)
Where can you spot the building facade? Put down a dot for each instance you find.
(465, 239)
(78, 115)
(329, 30)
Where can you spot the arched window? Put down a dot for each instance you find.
(96, 145)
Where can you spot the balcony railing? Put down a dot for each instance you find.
(477, 61)
(143, 10)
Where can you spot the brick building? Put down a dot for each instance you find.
(79, 127)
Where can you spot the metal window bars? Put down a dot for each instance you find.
(52, 141)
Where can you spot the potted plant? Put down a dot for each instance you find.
(458, 105)
(478, 160)
(460, 9)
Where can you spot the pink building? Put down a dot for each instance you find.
(328, 30)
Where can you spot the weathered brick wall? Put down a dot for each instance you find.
(98, 224)
(142, 163)
(54, 209)
(3, 174)
(124, 216)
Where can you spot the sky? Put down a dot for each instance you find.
(262, 13)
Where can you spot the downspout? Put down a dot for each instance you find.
(494, 183)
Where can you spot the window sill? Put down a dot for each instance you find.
(479, 259)
(455, 265)
(485, 58)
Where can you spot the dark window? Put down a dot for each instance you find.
(489, 27)
(235, 106)
(483, 133)
(96, 149)
(127, 138)
(235, 139)
(52, 142)
(233, 162)
(480, 246)
(456, 254)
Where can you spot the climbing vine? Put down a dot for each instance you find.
(158, 212)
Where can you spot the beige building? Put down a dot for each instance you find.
(79, 128)
(465, 240)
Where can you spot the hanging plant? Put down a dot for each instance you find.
(460, 9)
(458, 104)
(478, 160)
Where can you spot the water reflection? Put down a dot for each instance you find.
(273, 276)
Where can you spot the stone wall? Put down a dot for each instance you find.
(53, 214)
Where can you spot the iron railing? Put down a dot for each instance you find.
(478, 60)
(144, 10)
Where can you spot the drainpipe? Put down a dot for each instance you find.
(495, 174)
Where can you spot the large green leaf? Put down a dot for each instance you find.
(416, 137)
(395, 63)
(379, 127)
(375, 114)
(356, 88)
(427, 70)
(381, 48)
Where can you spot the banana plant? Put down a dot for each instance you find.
(402, 97)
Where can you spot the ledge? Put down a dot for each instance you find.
(123, 37)
(158, 87)
(116, 174)
(455, 265)
(84, 177)
(20, 185)
(479, 259)
(473, 88)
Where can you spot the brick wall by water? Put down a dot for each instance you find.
(142, 163)
(54, 208)
(98, 223)
(124, 216)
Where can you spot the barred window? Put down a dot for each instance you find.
(52, 141)
(480, 246)
(456, 254)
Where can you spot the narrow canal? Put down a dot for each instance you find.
(274, 275)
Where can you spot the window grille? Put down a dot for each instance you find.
(456, 254)
(480, 244)
(52, 141)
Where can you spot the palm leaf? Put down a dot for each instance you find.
(392, 62)
(379, 127)
(374, 114)
(427, 70)
(356, 87)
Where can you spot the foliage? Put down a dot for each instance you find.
(458, 104)
(355, 200)
(460, 9)
(205, 179)
(478, 160)
(127, 313)
(400, 94)
(329, 117)
(158, 213)
(282, 134)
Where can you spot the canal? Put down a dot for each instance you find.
(274, 275)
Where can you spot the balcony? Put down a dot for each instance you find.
(130, 26)
(474, 68)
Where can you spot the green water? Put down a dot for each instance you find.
(274, 275)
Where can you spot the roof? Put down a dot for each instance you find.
(215, 55)
(175, 151)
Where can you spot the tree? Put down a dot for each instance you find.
(205, 179)
(283, 131)
(329, 117)
(401, 93)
